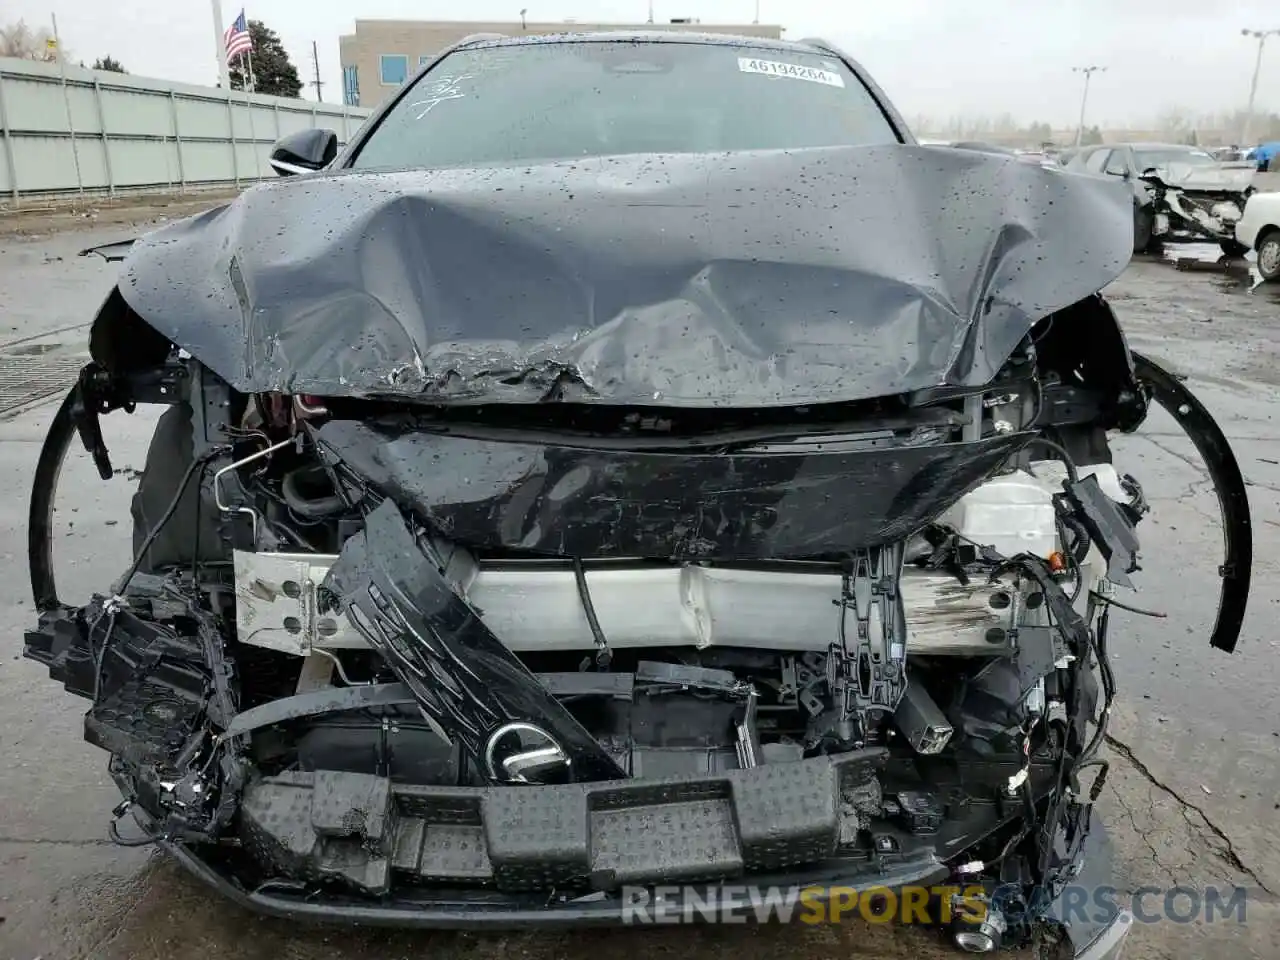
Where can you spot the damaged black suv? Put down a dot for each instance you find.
(632, 460)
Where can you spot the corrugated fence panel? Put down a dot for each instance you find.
(49, 163)
(132, 133)
(34, 105)
(129, 113)
(145, 163)
(291, 122)
(205, 119)
(253, 122)
(207, 161)
(251, 158)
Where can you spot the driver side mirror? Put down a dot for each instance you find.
(303, 152)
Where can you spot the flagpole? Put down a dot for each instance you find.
(248, 53)
(220, 41)
(248, 105)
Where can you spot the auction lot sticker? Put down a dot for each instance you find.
(796, 71)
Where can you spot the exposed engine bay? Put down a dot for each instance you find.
(1186, 210)
(393, 659)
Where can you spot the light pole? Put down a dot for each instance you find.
(1261, 37)
(220, 41)
(1084, 97)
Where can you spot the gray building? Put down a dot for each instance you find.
(382, 54)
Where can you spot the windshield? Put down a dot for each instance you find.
(543, 101)
(1146, 159)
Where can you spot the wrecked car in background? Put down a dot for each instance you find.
(613, 488)
(1181, 194)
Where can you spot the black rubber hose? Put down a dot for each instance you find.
(123, 583)
(1072, 473)
(1108, 688)
(311, 509)
(603, 654)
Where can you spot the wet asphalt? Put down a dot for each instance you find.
(1193, 796)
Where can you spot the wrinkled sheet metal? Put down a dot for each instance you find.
(753, 279)
(577, 501)
(1226, 178)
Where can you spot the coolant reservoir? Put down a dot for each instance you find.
(1012, 513)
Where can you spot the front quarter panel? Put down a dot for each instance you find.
(1260, 211)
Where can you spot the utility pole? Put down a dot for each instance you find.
(1261, 37)
(1084, 97)
(315, 62)
(757, 19)
(651, 11)
(220, 44)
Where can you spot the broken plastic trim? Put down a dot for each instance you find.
(95, 392)
(464, 678)
(44, 487)
(1228, 483)
(110, 252)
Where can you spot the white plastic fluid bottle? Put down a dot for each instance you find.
(1012, 513)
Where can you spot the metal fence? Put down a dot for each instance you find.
(89, 131)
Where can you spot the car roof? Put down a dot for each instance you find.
(650, 36)
(1158, 146)
(980, 145)
(1094, 147)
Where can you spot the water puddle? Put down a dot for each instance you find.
(33, 349)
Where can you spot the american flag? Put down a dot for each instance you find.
(237, 38)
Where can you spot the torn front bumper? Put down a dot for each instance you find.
(1185, 217)
(1095, 923)
(686, 827)
(378, 837)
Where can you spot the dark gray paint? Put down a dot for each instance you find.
(756, 279)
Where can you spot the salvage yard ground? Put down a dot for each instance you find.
(1193, 798)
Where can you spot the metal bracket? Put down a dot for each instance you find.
(97, 392)
(867, 673)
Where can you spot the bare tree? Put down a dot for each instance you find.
(1005, 124)
(976, 128)
(1175, 123)
(19, 40)
(1039, 133)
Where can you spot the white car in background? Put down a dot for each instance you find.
(1259, 229)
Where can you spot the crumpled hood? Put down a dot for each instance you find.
(751, 279)
(1193, 176)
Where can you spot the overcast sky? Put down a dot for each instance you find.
(938, 58)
